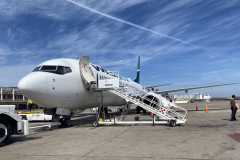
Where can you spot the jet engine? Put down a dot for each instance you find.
(147, 98)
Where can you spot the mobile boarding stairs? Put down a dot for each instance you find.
(164, 112)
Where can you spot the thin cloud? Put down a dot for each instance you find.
(70, 31)
(129, 23)
(143, 28)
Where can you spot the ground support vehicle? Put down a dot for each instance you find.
(37, 117)
(11, 123)
(130, 93)
(165, 111)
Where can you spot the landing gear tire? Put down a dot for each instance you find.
(106, 110)
(95, 124)
(138, 109)
(65, 122)
(56, 118)
(172, 123)
(5, 132)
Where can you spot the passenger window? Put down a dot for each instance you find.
(60, 70)
(68, 70)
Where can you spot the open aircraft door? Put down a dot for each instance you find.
(85, 71)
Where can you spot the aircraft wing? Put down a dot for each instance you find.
(186, 89)
(157, 86)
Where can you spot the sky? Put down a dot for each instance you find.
(186, 43)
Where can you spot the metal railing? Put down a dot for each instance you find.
(136, 95)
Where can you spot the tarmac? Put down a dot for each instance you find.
(204, 136)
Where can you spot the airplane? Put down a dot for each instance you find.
(65, 84)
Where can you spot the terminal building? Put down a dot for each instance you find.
(12, 96)
(191, 98)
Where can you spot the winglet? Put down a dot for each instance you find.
(137, 79)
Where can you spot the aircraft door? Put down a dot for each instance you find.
(85, 71)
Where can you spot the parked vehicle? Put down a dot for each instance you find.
(10, 123)
(37, 117)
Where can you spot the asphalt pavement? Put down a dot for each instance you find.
(204, 136)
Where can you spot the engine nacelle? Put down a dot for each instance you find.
(152, 97)
(147, 98)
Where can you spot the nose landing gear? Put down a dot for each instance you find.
(65, 121)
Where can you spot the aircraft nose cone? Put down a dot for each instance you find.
(22, 84)
(34, 85)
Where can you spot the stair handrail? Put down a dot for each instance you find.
(127, 87)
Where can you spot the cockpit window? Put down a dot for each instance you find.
(53, 69)
(49, 68)
(67, 69)
(37, 68)
(60, 70)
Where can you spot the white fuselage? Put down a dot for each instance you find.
(69, 91)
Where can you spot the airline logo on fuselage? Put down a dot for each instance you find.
(100, 69)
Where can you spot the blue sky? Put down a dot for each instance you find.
(187, 43)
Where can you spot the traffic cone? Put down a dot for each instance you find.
(196, 108)
(151, 114)
(206, 110)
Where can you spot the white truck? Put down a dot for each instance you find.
(10, 123)
(37, 117)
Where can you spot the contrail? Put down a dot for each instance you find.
(131, 24)
(143, 28)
